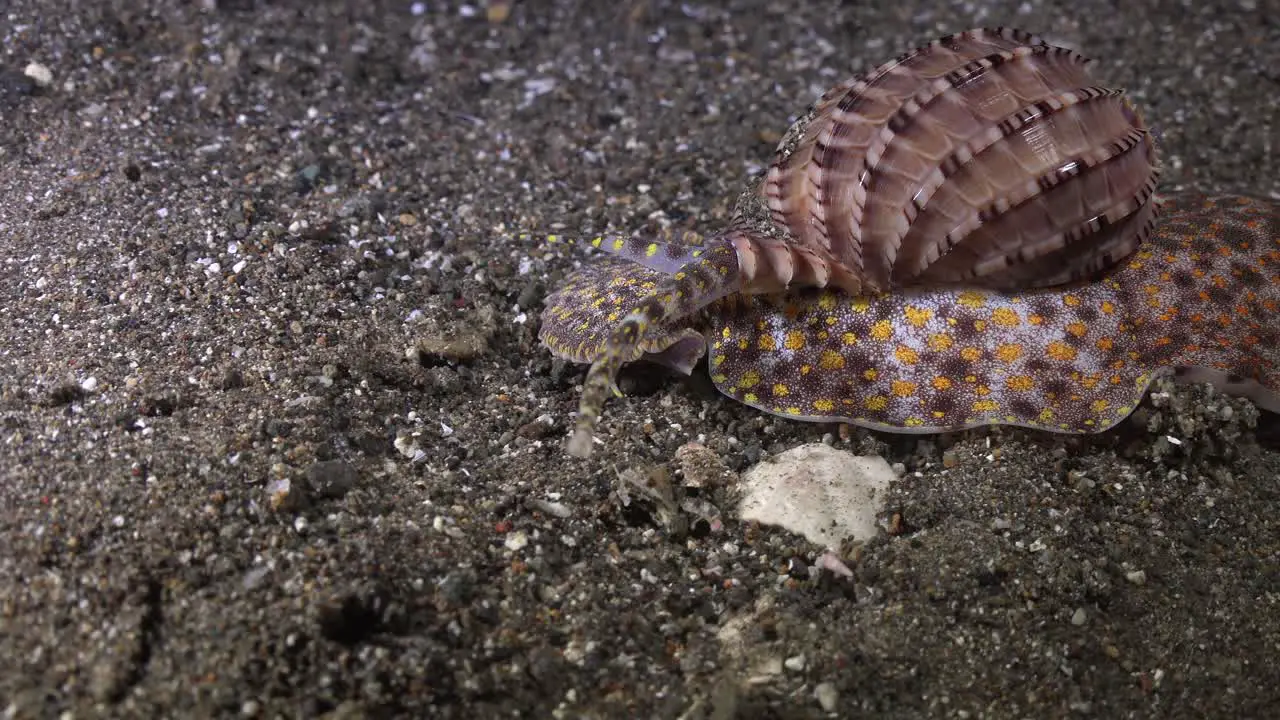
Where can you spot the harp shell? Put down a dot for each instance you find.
(986, 158)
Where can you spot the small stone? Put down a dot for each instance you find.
(1079, 617)
(554, 509)
(42, 75)
(827, 695)
(437, 350)
(305, 179)
(794, 663)
(1137, 577)
(286, 496)
(498, 11)
(516, 541)
(331, 478)
(231, 379)
(702, 467)
(538, 428)
(830, 562)
(273, 428)
(406, 445)
(766, 670)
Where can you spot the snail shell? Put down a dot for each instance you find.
(987, 158)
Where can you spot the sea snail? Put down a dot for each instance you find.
(966, 235)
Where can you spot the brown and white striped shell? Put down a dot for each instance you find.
(986, 158)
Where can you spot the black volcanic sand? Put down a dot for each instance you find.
(279, 439)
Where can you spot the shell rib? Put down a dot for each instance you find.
(984, 158)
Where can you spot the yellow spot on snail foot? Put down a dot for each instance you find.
(940, 341)
(1020, 383)
(1008, 352)
(902, 388)
(1061, 351)
(1005, 317)
(831, 360)
(917, 316)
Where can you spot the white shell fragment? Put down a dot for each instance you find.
(824, 494)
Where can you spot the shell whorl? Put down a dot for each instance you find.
(986, 158)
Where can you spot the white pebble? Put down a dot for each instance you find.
(517, 540)
(827, 696)
(41, 74)
(406, 445)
